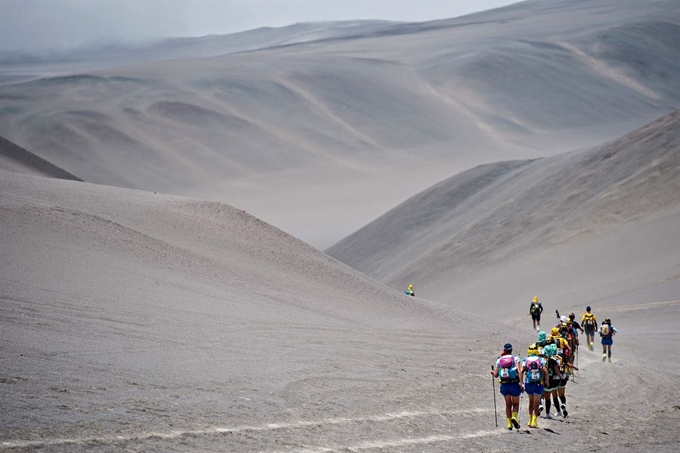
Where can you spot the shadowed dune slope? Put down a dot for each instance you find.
(586, 226)
(141, 312)
(16, 159)
(389, 106)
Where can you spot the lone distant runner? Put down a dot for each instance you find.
(535, 310)
(589, 324)
(409, 291)
(507, 369)
(607, 332)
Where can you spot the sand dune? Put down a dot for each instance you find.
(16, 159)
(134, 320)
(385, 108)
(132, 312)
(588, 226)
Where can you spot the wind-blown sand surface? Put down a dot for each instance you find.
(594, 226)
(361, 121)
(139, 321)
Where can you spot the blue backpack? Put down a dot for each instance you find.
(507, 369)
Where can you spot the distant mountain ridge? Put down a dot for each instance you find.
(197, 47)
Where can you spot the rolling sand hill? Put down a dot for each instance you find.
(366, 119)
(137, 321)
(594, 226)
(127, 312)
(16, 159)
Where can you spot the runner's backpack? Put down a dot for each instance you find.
(606, 331)
(534, 373)
(560, 362)
(507, 370)
(589, 321)
(551, 370)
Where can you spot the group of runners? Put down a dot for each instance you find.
(543, 375)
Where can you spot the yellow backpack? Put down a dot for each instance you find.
(589, 321)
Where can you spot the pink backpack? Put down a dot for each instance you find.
(507, 370)
(534, 374)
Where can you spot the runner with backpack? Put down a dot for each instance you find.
(567, 333)
(539, 346)
(565, 366)
(535, 310)
(554, 377)
(607, 332)
(589, 324)
(562, 344)
(541, 343)
(508, 369)
(575, 325)
(534, 374)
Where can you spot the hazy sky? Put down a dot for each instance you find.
(59, 24)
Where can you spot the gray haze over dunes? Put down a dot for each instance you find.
(194, 47)
(595, 226)
(364, 120)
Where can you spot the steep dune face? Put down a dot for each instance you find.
(393, 106)
(127, 311)
(578, 227)
(15, 159)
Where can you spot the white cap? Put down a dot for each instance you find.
(563, 318)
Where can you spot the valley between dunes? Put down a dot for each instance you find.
(163, 211)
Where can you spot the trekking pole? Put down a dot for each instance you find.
(493, 383)
(576, 363)
(519, 411)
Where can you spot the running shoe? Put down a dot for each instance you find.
(564, 410)
(515, 422)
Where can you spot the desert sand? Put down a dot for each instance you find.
(592, 226)
(143, 309)
(144, 322)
